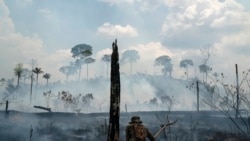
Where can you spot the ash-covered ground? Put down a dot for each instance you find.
(191, 126)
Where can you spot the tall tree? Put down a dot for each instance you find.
(164, 61)
(33, 62)
(86, 53)
(204, 69)
(78, 63)
(107, 58)
(37, 71)
(65, 71)
(207, 52)
(68, 70)
(185, 63)
(47, 77)
(73, 67)
(18, 71)
(80, 52)
(25, 74)
(130, 56)
(88, 61)
(114, 112)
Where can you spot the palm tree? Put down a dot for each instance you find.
(107, 58)
(18, 71)
(89, 60)
(47, 77)
(130, 56)
(37, 71)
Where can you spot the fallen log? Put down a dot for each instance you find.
(163, 128)
(43, 108)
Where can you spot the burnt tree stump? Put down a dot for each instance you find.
(114, 113)
(7, 106)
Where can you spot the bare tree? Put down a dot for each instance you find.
(163, 117)
(47, 96)
(167, 101)
(207, 52)
(86, 99)
(226, 101)
(67, 99)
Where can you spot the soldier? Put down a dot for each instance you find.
(135, 131)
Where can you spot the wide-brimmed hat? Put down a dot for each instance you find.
(135, 119)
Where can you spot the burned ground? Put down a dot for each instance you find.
(191, 126)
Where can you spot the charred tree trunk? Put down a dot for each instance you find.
(6, 110)
(114, 113)
(7, 106)
(31, 86)
(31, 132)
(198, 96)
(237, 92)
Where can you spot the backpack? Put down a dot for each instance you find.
(140, 132)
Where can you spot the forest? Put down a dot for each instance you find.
(208, 108)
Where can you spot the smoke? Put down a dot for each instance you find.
(137, 93)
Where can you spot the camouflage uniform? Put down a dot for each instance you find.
(135, 131)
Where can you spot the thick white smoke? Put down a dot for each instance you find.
(137, 91)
